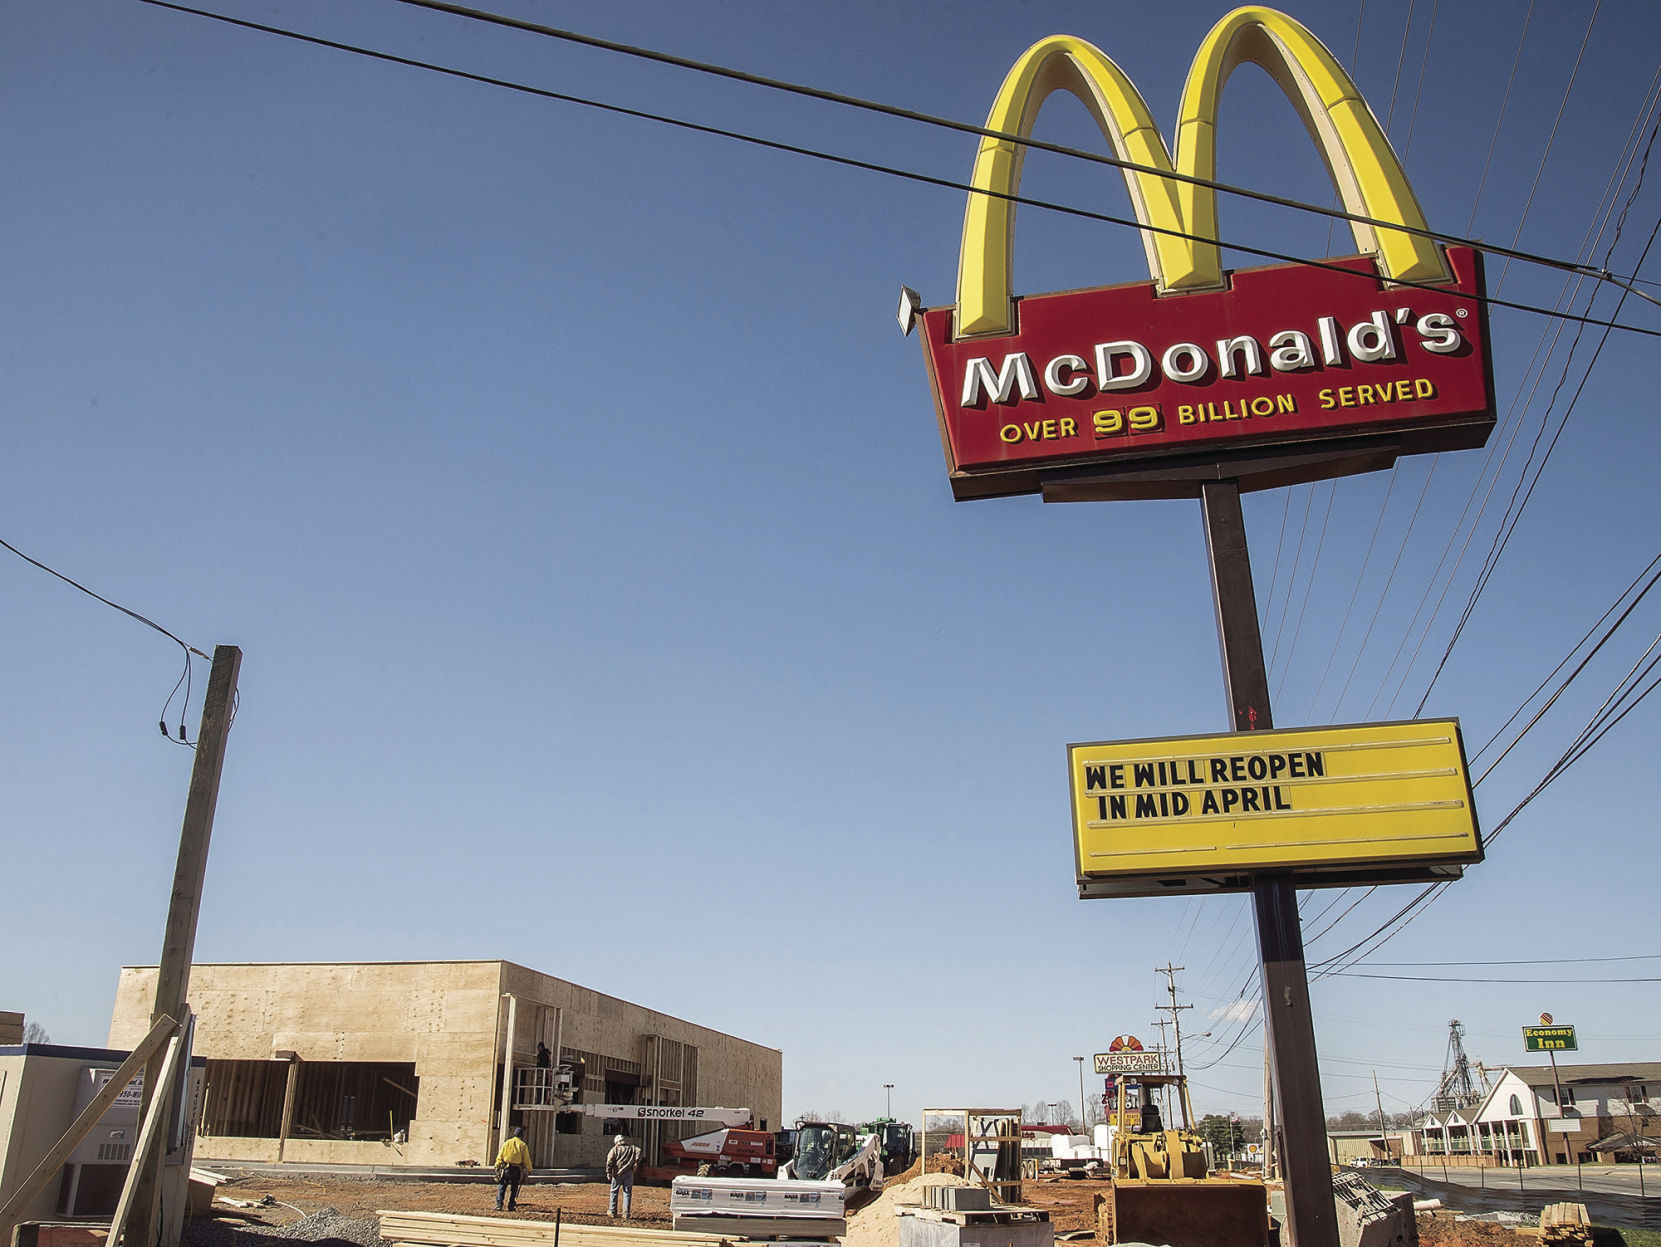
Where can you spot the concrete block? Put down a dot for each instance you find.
(1367, 1219)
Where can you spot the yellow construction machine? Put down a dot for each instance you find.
(1162, 1189)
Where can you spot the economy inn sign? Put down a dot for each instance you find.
(1362, 357)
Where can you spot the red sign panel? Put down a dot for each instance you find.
(1283, 357)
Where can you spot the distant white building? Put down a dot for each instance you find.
(1609, 1112)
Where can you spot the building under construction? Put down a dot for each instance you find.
(405, 1063)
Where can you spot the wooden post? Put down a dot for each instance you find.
(1557, 1090)
(288, 1106)
(1290, 1028)
(149, 1140)
(179, 938)
(507, 1075)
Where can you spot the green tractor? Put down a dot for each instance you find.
(896, 1144)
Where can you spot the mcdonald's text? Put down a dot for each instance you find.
(1284, 355)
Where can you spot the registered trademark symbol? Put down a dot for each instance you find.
(1463, 311)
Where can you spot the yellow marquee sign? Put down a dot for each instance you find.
(1384, 802)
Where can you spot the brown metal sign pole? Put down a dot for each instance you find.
(1291, 1029)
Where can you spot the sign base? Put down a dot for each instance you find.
(1213, 884)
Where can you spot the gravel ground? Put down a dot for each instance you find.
(323, 1226)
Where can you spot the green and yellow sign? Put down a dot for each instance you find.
(1549, 1039)
(1377, 802)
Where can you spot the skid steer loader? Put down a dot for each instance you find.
(1161, 1189)
(833, 1152)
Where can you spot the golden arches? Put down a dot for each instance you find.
(1363, 166)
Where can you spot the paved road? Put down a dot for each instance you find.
(1611, 1193)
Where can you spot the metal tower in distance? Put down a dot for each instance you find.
(1457, 1088)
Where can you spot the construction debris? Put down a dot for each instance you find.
(1367, 1218)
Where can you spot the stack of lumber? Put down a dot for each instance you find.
(1566, 1223)
(437, 1229)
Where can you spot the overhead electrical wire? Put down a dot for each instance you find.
(1521, 961)
(1516, 411)
(1551, 139)
(1418, 90)
(1355, 594)
(1602, 720)
(1629, 153)
(1599, 725)
(149, 623)
(1384, 593)
(1513, 517)
(928, 179)
(1505, 102)
(946, 123)
(1274, 575)
(189, 650)
(1314, 570)
(1401, 59)
(1579, 667)
(1292, 576)
(1452, 978)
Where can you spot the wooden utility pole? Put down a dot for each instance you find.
(1174, 1009)
(1290, 1028)
(179, 938)
(1383, 1138)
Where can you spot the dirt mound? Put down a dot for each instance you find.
(878, 1223)
(938, 1163)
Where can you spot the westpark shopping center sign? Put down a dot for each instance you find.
(1361, 358)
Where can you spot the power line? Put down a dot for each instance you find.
(947, 123)
(1508, 525)
(1499, 121)
(1413, 117)
(1552, 138)
(1426, 978)
(1525, 961)
(1563, 687)
(149, 623)
(185, 676)
(1503, 538)
(930, 180)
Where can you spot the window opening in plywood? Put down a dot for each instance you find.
(354, 1099)
(244, 1099)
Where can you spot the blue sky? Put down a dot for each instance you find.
(581, 515)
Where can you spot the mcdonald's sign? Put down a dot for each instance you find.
(1269, 375)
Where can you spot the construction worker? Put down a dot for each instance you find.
(621, 1163)
(513, 1162)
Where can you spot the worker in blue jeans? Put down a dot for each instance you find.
(621, 1162)
(513, 1162)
